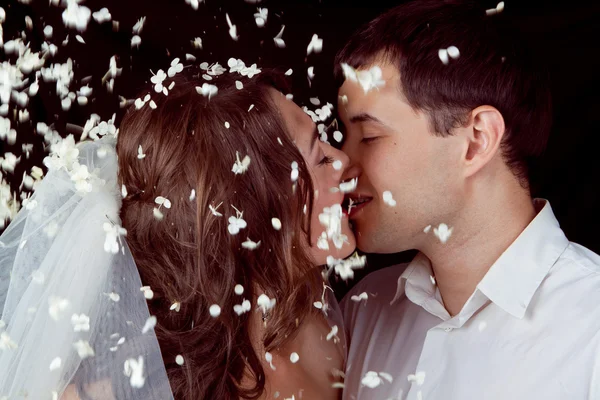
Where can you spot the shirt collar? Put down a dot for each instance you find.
(516, 275)
(511, 281)
(417, 283)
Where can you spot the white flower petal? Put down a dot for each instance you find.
(443, 55)
(453, 52)
(388, 199)
(294, 357)
(239, 289)
(55, 364)
(149, 324)
(337, 136)
(250, 245)
(443, 232)
(278, 39)
(315, 45)
(362, 296)
(371, 380)
(214, 310)
(276, 223)
(6, 343)
(148, 293)
(84, 350)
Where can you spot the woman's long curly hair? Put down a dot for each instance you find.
(190, 142)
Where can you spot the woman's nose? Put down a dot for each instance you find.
(350, 169)
(340, 157)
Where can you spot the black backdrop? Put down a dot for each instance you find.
(564, 34)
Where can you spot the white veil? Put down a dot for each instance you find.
(73, 311)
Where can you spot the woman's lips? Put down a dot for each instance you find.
(353, 204)
(355, 208)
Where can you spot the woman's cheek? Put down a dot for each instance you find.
(330, 195)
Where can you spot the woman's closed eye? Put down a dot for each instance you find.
(326, 160)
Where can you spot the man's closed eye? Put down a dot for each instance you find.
(368, 140)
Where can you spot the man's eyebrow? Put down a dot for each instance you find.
(364, 117)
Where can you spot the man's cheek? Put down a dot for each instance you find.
(379, 173)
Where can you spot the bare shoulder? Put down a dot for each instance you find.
(70, 393)
(98, 390)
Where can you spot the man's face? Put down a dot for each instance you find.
(391, 148)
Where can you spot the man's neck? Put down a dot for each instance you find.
(485, 229)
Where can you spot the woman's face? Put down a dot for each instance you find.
(327, 166)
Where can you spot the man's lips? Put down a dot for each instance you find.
(353, 203)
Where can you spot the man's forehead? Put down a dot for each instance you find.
(352, 98)
(389, 72)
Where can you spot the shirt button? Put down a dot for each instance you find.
(448, 329)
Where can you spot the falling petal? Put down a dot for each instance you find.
(453, 52)
(214, 310)
(362, 296)
(150, 324)
(55, 364)
(239, 289)
(443, 232)
(443, 55)
(276, 223)
(388, 199)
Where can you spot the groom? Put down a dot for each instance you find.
(498, 304)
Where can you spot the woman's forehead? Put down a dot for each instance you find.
(297, 121)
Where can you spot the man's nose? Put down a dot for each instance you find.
(352, 170)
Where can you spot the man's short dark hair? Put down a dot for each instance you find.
(494, 68)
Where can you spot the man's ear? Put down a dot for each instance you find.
(483, 135)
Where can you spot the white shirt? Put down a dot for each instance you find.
(530, 330)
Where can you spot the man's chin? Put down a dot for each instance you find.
(368, 242)
(365, 241)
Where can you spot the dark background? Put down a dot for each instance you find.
(564, 34)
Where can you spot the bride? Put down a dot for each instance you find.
(226, 203)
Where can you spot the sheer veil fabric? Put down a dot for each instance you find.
(74, 312)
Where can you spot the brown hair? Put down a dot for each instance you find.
(494, 68)
(189, 256)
